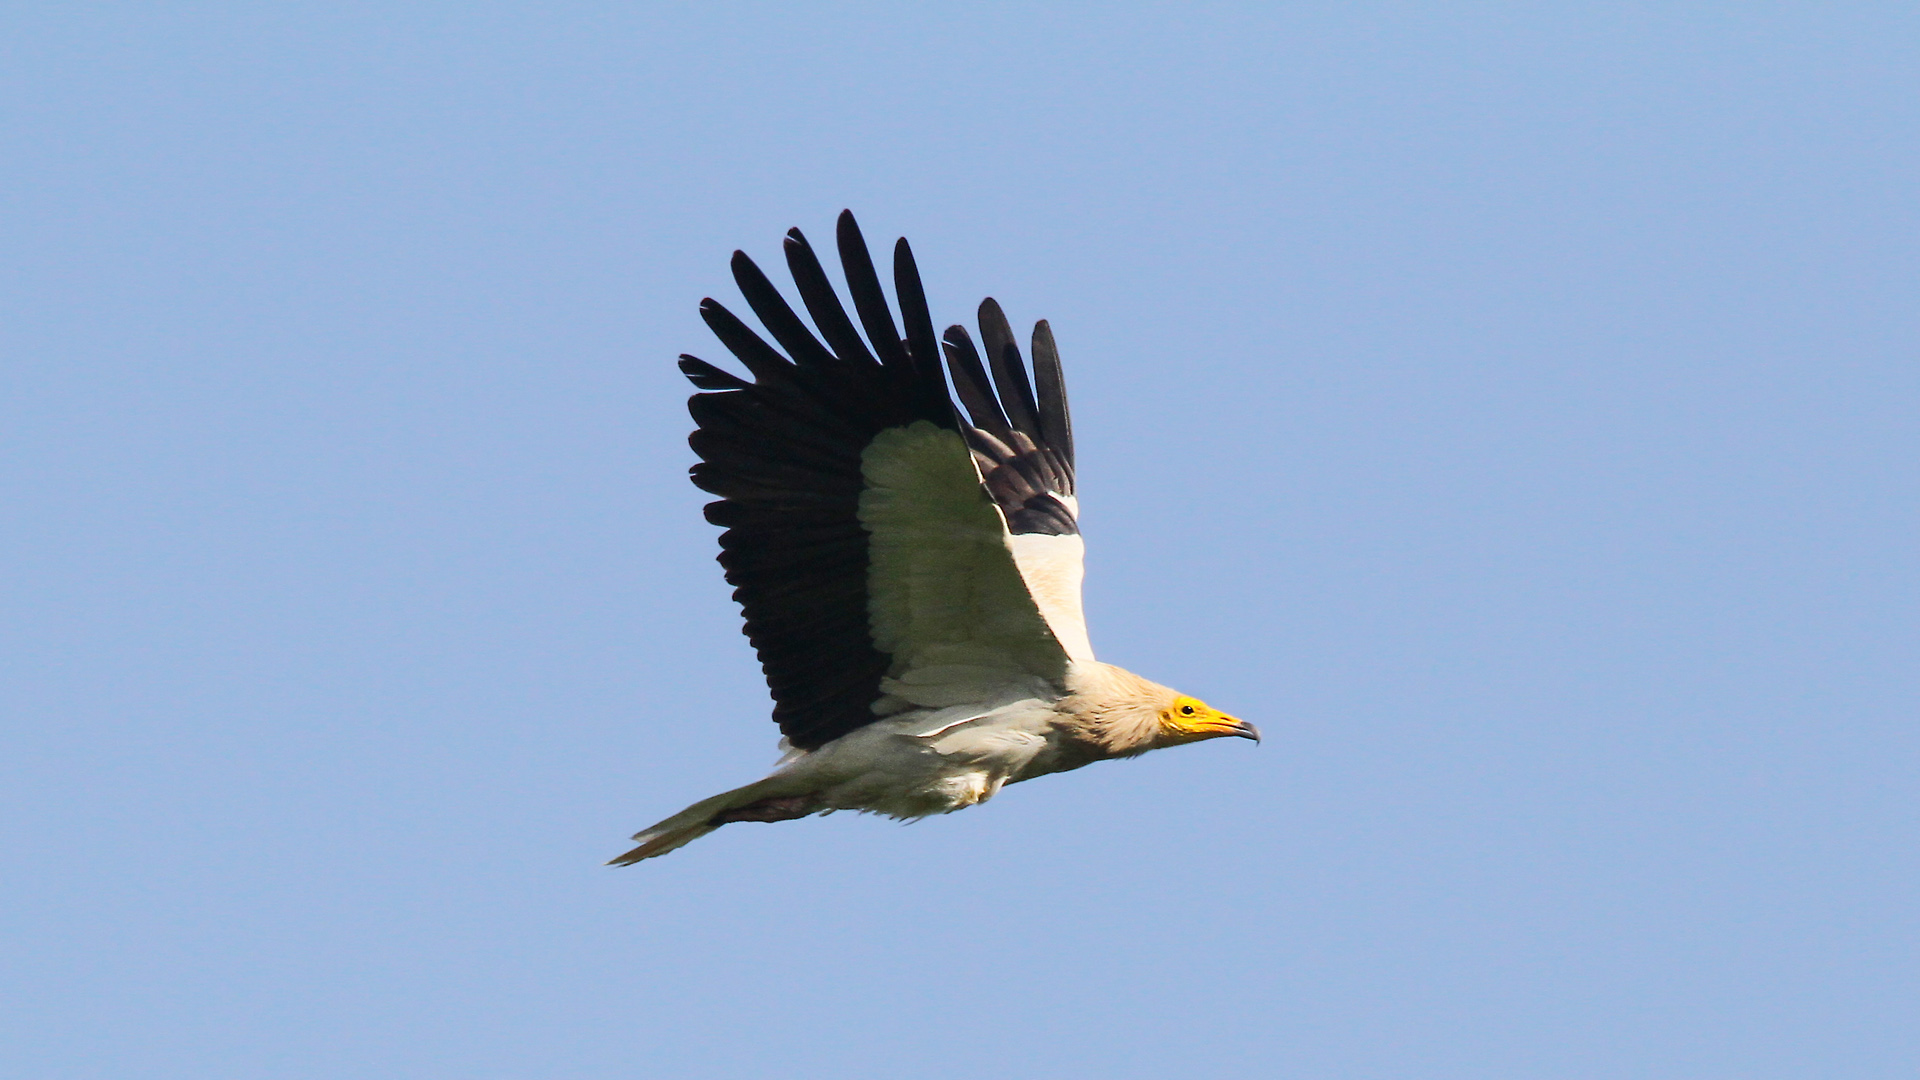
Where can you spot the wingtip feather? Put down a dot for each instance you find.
(707, 377)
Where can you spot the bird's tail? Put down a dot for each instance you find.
(692, 823)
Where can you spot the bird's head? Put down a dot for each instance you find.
(1186, 719)
(1124, 714)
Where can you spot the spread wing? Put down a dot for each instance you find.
(885, 552)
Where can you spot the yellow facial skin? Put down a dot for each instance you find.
(1191, 720)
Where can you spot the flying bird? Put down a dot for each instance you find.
(909, 571)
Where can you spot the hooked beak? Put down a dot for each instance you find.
(1240, 728)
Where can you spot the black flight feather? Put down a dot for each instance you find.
(1009, 372)
(707, 377)
(760, 357)
(1056, 426)
(868, 299)
(783, 453)
(816, 291)
(971, 383)
(776, 315)
(930, 382)
(1024, 453)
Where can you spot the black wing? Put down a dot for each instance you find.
(1023, 446)
(783, 453)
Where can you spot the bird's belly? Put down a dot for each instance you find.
(912, 785)
(901, 776)
(941, 793)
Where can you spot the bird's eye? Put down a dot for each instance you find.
(1186, 710)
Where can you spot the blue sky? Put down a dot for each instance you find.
(1511, 408)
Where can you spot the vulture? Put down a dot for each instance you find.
(909, 571)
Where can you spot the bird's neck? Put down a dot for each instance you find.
(1111, 709)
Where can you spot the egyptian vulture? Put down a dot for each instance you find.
(909, 572)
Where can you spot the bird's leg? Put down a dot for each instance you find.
(773, 808)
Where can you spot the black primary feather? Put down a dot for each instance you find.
(868, 299)
(707, 377)
(816, 291)
(1024, 453)
(1009, 372)
(971, 383)
(1056, 425)
(783, 453)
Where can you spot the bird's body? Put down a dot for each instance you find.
(910, 578)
